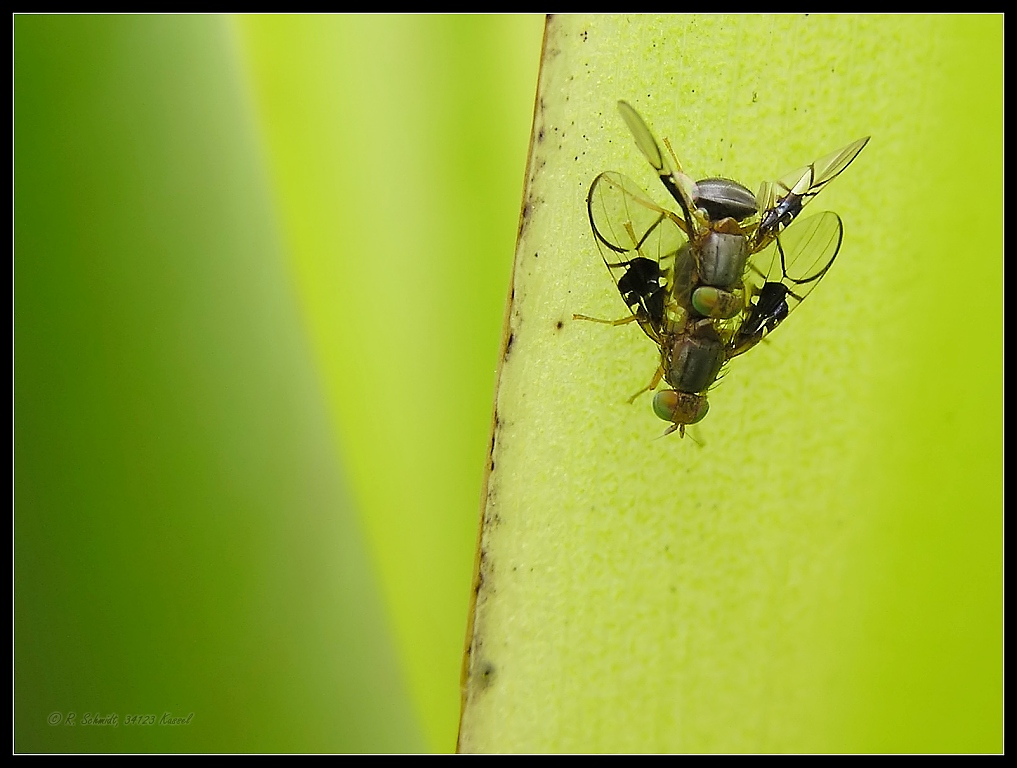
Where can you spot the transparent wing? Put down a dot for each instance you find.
(645, 139)
(807, 250)
(782, 200)
(681, 187)
(800, 258)
(812, 178)
(640, 243)
(625, 219)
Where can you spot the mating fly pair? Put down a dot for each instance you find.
(705, 284)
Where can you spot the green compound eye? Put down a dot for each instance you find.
(680, 408)
(716, 303)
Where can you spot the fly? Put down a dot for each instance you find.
(690, 279)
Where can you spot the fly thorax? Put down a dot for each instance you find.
(722, 259)
(694, 359)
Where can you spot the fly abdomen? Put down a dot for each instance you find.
(724, 198)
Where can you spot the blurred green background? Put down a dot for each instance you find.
(260, 273)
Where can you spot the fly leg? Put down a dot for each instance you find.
(621, 321)
(652, 385)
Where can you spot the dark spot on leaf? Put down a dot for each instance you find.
(485, 674)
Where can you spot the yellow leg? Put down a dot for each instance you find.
(652, 385)
(622, 321)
